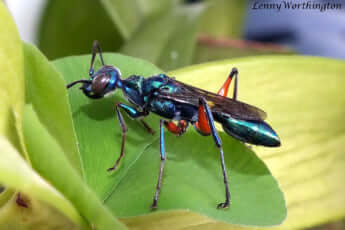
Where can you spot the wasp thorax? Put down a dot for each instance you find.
(100, 83)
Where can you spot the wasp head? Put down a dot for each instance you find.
(104, 81)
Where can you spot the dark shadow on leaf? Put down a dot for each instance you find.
(99, 109)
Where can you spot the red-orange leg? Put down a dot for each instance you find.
(205, 111)
(225, 88)
(178, 129)
(202, 125)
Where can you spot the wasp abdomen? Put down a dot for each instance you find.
(253, 132)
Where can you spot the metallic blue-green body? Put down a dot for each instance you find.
(143, 94)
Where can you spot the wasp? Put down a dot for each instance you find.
(179, 105)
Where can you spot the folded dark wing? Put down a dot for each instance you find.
(190, 95)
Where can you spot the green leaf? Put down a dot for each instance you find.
(11, 86)
(69, 28)
(172, 48)
(193, 179)
(46, 92)
(224, 18)
(12, 78)
(305, 103)
(17, 174)
(49, 160)
(24, 212)
(125, 14)
(6, 195)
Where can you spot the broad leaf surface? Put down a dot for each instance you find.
(305, 102)
(193, 179)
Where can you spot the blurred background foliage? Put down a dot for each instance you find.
(168, 33)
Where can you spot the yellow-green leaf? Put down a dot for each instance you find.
(17, 174)
(50, 161)
(305, 101)
(45, 90)
(12, 77)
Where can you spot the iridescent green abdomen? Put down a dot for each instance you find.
(253, 132)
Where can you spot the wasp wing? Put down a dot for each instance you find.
(190, 95)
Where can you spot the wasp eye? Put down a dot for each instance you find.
(99, 84)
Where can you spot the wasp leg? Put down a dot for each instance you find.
(202, 125)
(148, 128)
(95, 47)
(163, 157)
(178, 129)
(133, 113)
(225, 88)
(217, 140)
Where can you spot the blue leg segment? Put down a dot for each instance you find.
(162, 140)
(218, 142)
(163, 157)
(133, 113)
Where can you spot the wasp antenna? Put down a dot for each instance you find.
(76, 82)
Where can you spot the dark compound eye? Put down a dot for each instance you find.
(99, 84)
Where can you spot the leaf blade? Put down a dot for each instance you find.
(292, 92)
(50, 161)
(17, 174)
(12, 78)
(45, 91)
